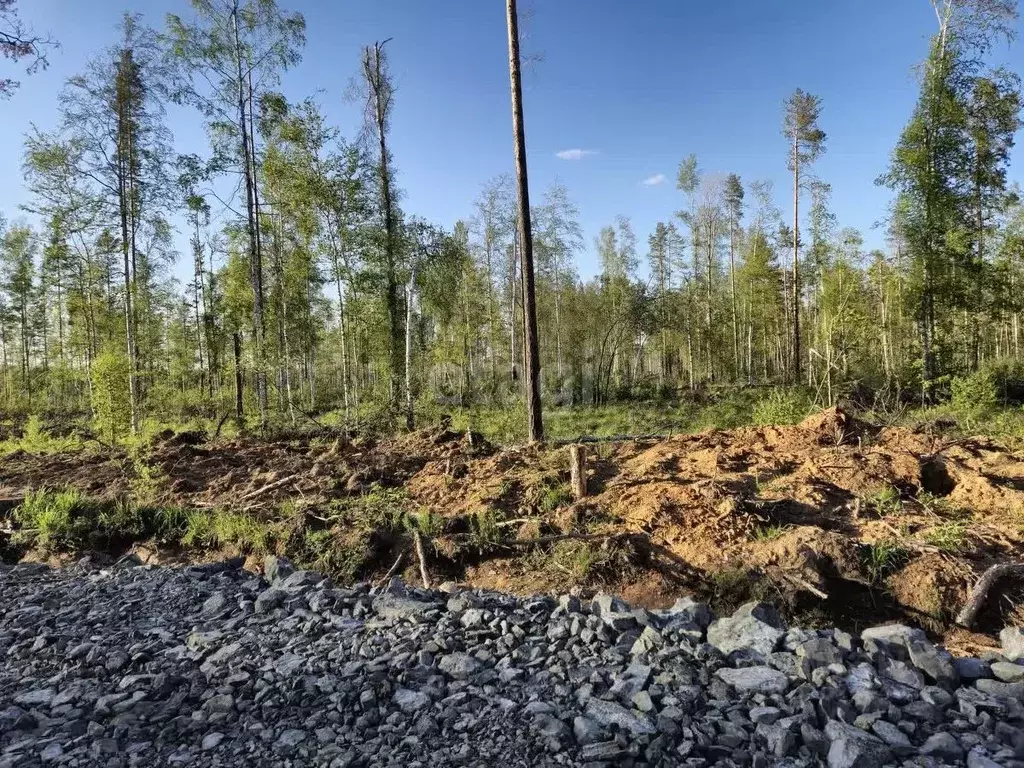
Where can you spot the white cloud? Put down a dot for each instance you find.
(574, 154)
(655, 180)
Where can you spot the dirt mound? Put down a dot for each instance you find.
(832, 514)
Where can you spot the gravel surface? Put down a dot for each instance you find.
(213, 666)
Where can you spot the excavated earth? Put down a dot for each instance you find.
(836, 521)
(138, 665)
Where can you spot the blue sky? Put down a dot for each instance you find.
(637, 84)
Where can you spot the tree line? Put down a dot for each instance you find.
(318, 291)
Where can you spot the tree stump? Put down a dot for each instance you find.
(578, 470)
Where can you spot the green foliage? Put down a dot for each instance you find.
(111, 402)
(883, 558)
(770, 532)
(581, 561)
(427, 523)
(975, 395)
(950, 536)
(886, 501)
(484, 530)
(781, 406)
(555, 496)
(221, 528)
(38, 441)
(50, 519)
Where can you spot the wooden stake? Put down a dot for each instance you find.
(578, 470)
(422, 558)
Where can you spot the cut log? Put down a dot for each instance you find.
(610, 439)
(578, 470)
(976, 599)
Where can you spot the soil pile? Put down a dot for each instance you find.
(831, 516)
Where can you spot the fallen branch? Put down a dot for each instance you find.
(518, 521)
(609, 439)
(422, 558)
(797, 581)
(393, 569)
(220, 424)
(977, 597)
(269, 487)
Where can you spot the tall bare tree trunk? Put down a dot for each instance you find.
(410, 416)
(796, 260)
(534, 419)
(255, 255)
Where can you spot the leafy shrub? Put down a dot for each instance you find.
(37, 440)
(111, 400)
(781, 406)
(974, 395)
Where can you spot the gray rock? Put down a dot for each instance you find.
(854, 748)
(943, 746)
(51, 752)
(893, 736)
(997, 688)
(650, 640)
(586, 731)
(269, 599)
(766, 715)
(603, 604)
(820, 652)
(1008, 672)
(689, 610)
(1012, 639)
(604, 752)
(300, 580)
(393, 608)
(276, 569)
(289, 739)
(608, 713)
(901, 672)
(411, 702)
(472, 617)
(978, 759)
(214, 604)
(779, 738)
(755, 679)
(972, 669)
(744, 632)
(894, 634)
(936, 663)
(41, 697)
(212, 740)
(459, 666)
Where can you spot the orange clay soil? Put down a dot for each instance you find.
(838, 520)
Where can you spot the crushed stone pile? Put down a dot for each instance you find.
(213, 666)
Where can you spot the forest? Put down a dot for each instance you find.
(314, 295)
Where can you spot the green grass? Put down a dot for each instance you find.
(220, 528)
(769, 532)
(48, 519)
(554, 496)
(885, 501)
(881, 559)
(950, 536)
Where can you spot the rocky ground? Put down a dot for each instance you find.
(213, 666)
